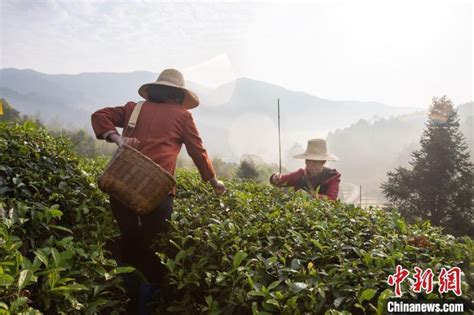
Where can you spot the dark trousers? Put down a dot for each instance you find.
(137, 233)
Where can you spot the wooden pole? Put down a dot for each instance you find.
(279, 137)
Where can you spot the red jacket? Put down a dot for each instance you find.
(327, 181)
(161, 129)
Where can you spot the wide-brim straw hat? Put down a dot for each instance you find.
(174, 78)
(316, 150)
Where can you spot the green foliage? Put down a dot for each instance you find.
(252, 167)
(54, 226)
(254, 250)
(85, 144)
(10, 114)
(439, 185)
(247, 170)
(258, 250)
(224, 170)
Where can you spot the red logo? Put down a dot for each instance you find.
(449, 280)
(423, 280)
(397, 279)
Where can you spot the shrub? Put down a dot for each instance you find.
(258, 250)
(54, 226)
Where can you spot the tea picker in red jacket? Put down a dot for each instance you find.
(319, 181)
(164, 125)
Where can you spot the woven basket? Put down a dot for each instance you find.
(136, 181)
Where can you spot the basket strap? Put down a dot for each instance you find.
(132, 121)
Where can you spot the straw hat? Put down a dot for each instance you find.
(174, 78)
(316, 150)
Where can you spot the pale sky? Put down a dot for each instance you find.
(401, 53)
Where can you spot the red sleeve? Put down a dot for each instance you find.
(108, 118)
(290, 179)
(333, 189)
(196, 150)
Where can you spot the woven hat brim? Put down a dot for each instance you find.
(317, 157)
(191, 100)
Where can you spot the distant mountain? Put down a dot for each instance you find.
(236, 118)
(240, 117)
(48, 108)
(243, 115)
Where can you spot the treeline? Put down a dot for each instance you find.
(250, 167)
(83, 143)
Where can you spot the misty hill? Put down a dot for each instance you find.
(240, 117)
(229, 115)
(49, 108)
(250, 112)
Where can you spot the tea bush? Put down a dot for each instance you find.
(258, 250)
(254, 250)
(54, 226)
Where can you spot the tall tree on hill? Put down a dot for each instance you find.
(439, 187)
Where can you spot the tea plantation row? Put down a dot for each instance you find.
(254, 250)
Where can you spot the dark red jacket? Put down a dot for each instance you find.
(327, 181)
(161, 129)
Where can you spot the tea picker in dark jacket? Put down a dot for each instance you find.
(319, 181)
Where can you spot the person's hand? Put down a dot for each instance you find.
(218, 186)
(276, 179)
(121, 141)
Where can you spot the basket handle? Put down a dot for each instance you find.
(132, 121)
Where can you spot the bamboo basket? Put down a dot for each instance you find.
(136, 181)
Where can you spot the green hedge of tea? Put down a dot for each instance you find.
(258, 250)
(54, 225)
(254, 250)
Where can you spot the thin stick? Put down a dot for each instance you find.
(279, 136)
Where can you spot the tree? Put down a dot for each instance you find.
(225, 170)
(247, 170)
(439, 187)
(10, 114)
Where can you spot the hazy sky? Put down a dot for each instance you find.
(401, 53)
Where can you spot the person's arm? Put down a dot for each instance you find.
(105, 121)
(289, 179)
(198, 153)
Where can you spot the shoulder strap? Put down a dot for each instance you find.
(132, 121)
